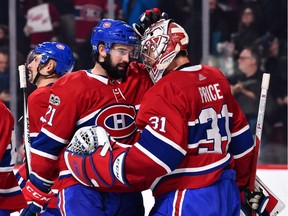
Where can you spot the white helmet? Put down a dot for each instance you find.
(160, 44)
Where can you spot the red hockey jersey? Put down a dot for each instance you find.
(82, 99)
(192, 130)
(37, 108)
(11, 197)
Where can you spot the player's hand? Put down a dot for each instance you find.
(37, 200)
(254, 201)
(148, 18)
(89, 156)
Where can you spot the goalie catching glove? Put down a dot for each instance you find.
(79, 157)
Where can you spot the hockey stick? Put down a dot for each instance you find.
(27, 144)
(259, 127)
(274, 204)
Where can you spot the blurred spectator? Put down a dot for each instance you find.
(221, 49)
(132, 9)
(193, 28)
(218, 27)
(179, 10)
(4, 76)
(88, 13)
(4, 12)
(246, 87)
(67, 21)
(276, 64)
(43, 21)
(248, 30)
(4, 36)
(274, 15)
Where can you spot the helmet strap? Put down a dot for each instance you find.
(40, 66)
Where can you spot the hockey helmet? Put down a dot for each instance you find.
(59, 52)
(110, 31)
(160, 44)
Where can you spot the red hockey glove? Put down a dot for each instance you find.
(86, 142)
(148, 18)
(37, 200)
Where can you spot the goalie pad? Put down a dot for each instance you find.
(271, 206)
(78, 156)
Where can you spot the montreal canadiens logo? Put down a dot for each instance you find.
(60, 46)
(106, 24)
(118, 120)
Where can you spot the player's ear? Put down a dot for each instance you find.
(102, 51)
(51, 66)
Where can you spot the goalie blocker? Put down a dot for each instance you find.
(95, 140)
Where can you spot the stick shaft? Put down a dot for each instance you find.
(259, 127)
(27, 144)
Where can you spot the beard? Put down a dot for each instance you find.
(114, 71)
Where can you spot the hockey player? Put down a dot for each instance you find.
(196, 147)
(109, 95)
(46, 64)
(11, 198)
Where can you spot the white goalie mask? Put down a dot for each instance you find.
(160, 44)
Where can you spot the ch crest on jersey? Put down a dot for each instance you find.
(118, 120)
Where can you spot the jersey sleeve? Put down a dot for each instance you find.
(241, 146)
(56, 131)
(157, 144)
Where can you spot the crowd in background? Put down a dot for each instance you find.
(247, 38)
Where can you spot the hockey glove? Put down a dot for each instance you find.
(254, 201)
(148, 18)
(79, 157)
(37, 200)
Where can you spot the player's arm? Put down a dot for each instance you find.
(146, 160)
(241, 147)
(45, 150)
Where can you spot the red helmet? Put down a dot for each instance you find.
(160, 44)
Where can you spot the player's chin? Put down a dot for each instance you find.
(30, 78)
(122, 68)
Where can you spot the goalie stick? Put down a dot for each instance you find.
(23, 85)
(274, 205)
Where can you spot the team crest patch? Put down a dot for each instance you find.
(60, 46)
(55, 100)
(106, 24)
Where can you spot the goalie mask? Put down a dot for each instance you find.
(160, 44)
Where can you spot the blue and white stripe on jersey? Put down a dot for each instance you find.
(160, 149)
